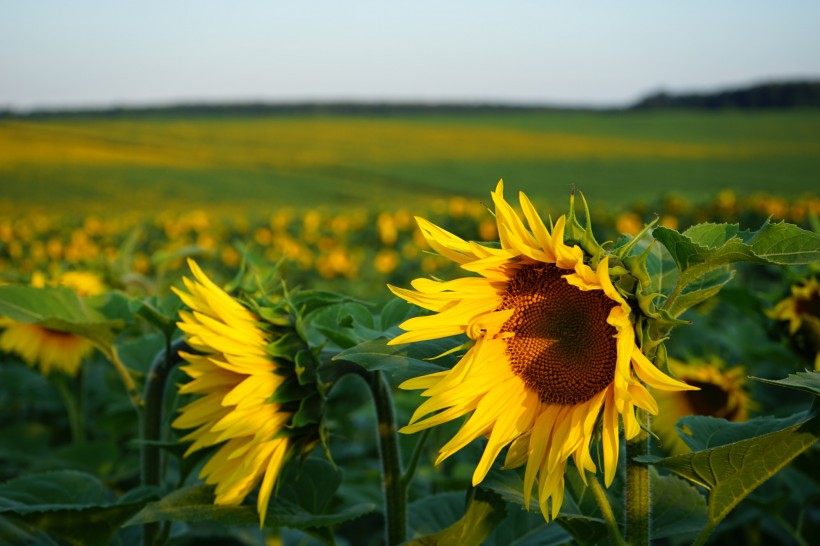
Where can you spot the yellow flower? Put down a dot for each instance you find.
(235, 378)
(722, 394)
(553, 349)
(804, 304)
(52, 350)
(802, 310)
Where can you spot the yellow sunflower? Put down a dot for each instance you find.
(553, 348)
(52, 350)
(722, 394)
(802, 310)
(235, 379)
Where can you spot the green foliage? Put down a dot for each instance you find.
(733, 459)
(485, 510)
(97, 319)
(69, 504)
(802, 381)
(678, 509)
(703, 249)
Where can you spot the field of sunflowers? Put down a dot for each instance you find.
(466, 367)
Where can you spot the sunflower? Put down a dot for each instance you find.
(235, 379)
(552, 349)
(802, 310)
(722, 394)
(52, 350)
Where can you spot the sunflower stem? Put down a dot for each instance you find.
(72, 406)
(606, 510)
(395, 493)
(151, 427)
(638, 504)
(410, 471)
(127, 381)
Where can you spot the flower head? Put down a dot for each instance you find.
(802, 311)
(243, 364)
(48, 349)
(553, 348)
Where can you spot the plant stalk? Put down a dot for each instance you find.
(151, 427)
(606, 510)
(73, 409)
(638, 502)
(395, 493)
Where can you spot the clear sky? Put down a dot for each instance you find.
(100, 52)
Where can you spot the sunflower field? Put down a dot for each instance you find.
(428, 367)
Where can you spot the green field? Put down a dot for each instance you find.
(98, 164)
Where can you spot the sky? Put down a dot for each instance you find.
(99, 53)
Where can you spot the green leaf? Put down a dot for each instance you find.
(730, 472)
(485, 510)
(196, 503)
(52, 491)
(191, 504)
(585, 530)
(60, 308)
(400, 360)
(522, 528)
(16, 531)
(701, 290)
(574, 517)
(803, 381)
(677, 507)
(395, 312)
(433, 513)
(311, 484)
(706, 247)
(161, 311)
(701, 432)
(72, 505)
(137, 354)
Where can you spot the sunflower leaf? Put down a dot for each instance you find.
(574, 517)
(399, 360)
(72, 505)
(677, 507)
(522, 528)
(196, 503)
(731, 471)
(161, 311)
(706, 247)
(701, 290)
(802, 381)
(701, 432)
(97, 319)
(485, 510)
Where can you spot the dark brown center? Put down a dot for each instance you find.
(710, 400)
(562, 346)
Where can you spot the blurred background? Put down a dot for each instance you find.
(134, 135)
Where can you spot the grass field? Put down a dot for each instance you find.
(263, 163)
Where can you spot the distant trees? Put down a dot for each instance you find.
(762, 96)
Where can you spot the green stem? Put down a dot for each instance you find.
(395, 497)
(410, 471)
(638, 513)
(606, 510)
(150, 453)
(704, 533)
(127, 381)
(75, 419)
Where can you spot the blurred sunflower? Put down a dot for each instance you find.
(47, 349)
(722, 394)
(236, 378)
(802, 311)
(552, 348)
